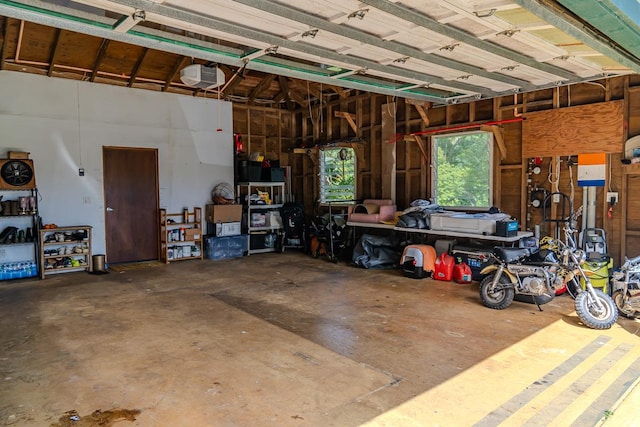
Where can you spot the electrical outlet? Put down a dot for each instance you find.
(612, 197)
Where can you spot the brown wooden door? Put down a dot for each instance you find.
(131, 203)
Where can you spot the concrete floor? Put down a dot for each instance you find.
(288, 340)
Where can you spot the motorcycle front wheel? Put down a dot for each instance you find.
(623, 308)
(499, 298)
(589, 313)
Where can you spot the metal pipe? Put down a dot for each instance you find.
(591, 207)
(585, 199)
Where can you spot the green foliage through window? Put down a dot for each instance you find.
(462, 170)
(337, 174)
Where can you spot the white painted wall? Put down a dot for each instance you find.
(65, 123)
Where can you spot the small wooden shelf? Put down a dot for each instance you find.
(171, 244)
(48, 261)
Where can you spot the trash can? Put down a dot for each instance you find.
(98, 264)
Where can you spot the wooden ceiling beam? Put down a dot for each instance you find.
(284, 87)
(54, 52)
(3, 42)
(351, 118)
(261, 86)
(298, 97)
(179, 65)
(308, 88)
(234, 80)
(136, 68)
(99, 58)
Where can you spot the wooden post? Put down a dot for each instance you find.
(388, 152)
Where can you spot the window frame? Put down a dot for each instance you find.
(322, 173)
(434, 168)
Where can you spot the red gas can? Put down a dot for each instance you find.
(462, 273)
(444, 267)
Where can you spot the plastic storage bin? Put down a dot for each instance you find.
(225, 247)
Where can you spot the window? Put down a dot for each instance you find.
(337, 174)
(462, 170)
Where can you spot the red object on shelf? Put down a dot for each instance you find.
(444, 267)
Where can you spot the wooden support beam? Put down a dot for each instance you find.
(351, 119)
(311, 89)
(136, 67)
(284, 88)
(179, 65)
(3, 42)
(498, 138)
(54, 52)
(99, 58)
(234, 80)
(342, 93)
(298, 97)
(420, 143)
(423, 114)
(264, 83)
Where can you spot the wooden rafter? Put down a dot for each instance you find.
(307, 87)
(54, 52)
(298, 97)
(234, 80)
(264, 83)
(351, 119)
(418, 140)
(179, 65)
(136, 68)
(284, 88)
(420, 107)
(342, 93)
(3, 42)
(498, 138)
(99, 58)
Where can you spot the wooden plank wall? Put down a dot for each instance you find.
(512, 180)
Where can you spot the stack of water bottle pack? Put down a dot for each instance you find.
(17, 270)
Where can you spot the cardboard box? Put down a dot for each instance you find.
(223, 213)
(192, 234)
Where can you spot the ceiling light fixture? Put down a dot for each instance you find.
(485, 14)
(358, 14)
(310, 33)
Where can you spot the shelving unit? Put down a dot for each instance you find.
(261, 236)
(65, 249)
(18, 233)
(181, 235)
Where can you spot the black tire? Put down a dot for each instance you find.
(626, 311)
(588, 312)
(498, 299)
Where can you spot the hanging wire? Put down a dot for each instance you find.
(609, 166)
(570, 181)
(554, 180)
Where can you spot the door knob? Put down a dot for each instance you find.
(109, 209)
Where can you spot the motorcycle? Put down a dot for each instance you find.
(524, 274)
(626, 288)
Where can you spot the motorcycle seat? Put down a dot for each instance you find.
(511, 254)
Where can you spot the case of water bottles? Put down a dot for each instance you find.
(18, 270)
